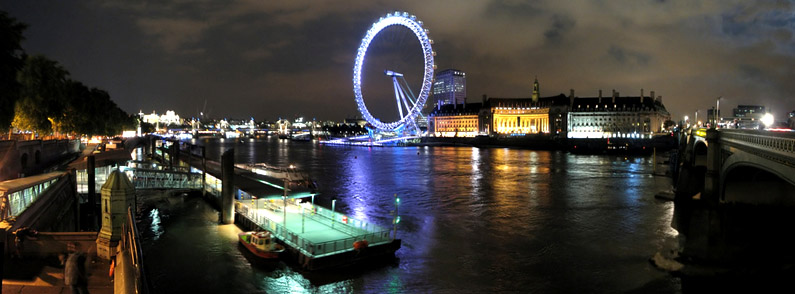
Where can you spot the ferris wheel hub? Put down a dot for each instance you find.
(392, 73)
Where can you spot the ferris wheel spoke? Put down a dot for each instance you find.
(405, 103)
(411, 96)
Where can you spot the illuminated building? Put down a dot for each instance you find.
(464, 120)
(450, 87)
(748, 116)
(522, 116)
(166, 119)
(616, 116)
(502, 116)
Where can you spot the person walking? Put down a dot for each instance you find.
(75, 270)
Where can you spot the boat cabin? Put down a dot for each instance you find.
(262, 241)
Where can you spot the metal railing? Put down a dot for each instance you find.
(129, 242)
(158, 179)
(781, 144)
(143, 178)
(365, 231)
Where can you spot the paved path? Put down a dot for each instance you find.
(48, 278)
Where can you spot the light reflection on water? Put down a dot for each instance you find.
(473, 220)
(154, 226)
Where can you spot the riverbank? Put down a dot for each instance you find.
(629, 146)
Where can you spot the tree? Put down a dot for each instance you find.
(42, 94)
(11, 56)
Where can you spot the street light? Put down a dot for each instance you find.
(695, 120)
(396, 218)
(767, 120)
(717, 111)
(284, 209)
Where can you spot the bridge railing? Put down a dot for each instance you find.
(158, 179)
(781, 144)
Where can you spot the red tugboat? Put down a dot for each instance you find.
(261, 244)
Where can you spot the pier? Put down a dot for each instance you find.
(315, 237)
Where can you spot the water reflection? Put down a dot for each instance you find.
(473, 220)
(155, 227)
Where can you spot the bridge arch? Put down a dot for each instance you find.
(23, 160)
(700, 153)
(747, 178)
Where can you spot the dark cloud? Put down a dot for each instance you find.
(560, 25)
(628, 57)
(271, 59)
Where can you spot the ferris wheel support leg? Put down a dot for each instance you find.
(397, 95)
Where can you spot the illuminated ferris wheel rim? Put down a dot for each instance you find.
(410, 22)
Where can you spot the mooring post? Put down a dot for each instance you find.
(92, 198)
(227, 187)
(204, 169)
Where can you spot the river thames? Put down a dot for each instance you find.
(472, 221)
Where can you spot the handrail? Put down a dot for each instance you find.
(777, 143)
(130, 241)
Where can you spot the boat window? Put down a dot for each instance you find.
(267, 242)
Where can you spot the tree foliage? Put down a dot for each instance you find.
(41, 96)
(10, 62)
(38, 95)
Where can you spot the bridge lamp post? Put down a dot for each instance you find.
(717, 111)
(695, 120)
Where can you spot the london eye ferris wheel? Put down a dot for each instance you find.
(408, 106)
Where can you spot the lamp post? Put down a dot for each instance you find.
(333, 212)
(717, 111)
(396, 218)
(252, 202)
(284, 209)
(695, 120)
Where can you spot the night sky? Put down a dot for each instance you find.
(272, 59)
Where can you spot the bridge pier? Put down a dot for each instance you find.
(228, 187)
(712, 176)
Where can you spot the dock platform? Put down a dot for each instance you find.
(315, 237)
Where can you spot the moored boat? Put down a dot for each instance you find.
(297, 180)
(261, 244)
